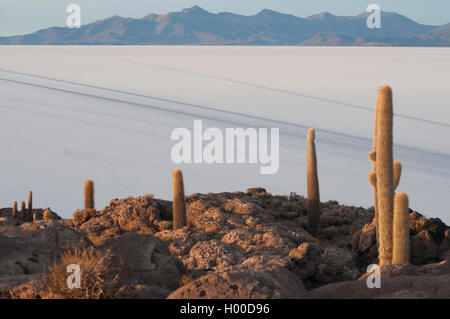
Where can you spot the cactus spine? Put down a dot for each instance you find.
(47, 215)
(401, 229)
(89, 194)
(14, 210)
(312, 185)
(178, 204)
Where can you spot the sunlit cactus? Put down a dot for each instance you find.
(312, 185)
(385, 174)
(34, 217)
(47, 215)
(30, 202)
(14, 210)
(23, 211)
(178, 204)
(89, 194)
(401, 229)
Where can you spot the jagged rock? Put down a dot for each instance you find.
(239, 207)
(141, 215)
(207, 255)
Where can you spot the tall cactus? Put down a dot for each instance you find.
(385, 174)
(14, 210)
(178, 204)
(401, 229)
(312, 185)
(89, 194)
(23, 211)
(30, 203)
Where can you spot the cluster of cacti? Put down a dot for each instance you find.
(178, 203)
(27, 214)
(89, 194)
(312, 185)
(24, 213)
(384, 178)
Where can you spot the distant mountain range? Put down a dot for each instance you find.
(195, 26)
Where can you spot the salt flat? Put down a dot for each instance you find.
(107, 113)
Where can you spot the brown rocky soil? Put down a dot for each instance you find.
(237, 245)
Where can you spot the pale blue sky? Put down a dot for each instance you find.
(25, 16)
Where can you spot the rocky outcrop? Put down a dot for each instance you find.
(236, 245)
(429, 241)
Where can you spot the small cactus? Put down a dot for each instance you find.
(23, 211)
(47, 215)
(312, 185)
(89, 194)
(178, 204)
(14, 210)
(401, 230)
(385, 174)
(34, 217)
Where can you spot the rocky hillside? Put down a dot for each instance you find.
(238, 245)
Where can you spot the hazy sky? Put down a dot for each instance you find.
(25, 16)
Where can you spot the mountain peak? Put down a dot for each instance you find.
(194, 9)
(267, 12)
(321, 16)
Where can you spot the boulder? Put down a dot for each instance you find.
(253, 279)
(408, 287)
(146, 260)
